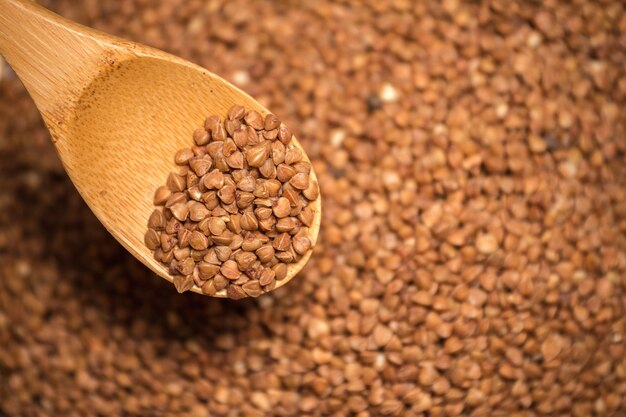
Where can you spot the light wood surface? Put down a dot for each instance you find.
(117, 112)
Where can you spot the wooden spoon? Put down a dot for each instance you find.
(117, 112)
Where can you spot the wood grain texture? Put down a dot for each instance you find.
(118, 112)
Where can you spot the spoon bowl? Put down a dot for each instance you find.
(117, 112)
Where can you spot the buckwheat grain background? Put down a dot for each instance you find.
(472, 257)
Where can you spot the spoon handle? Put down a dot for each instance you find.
(54, 57)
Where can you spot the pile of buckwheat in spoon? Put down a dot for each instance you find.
(238, 212)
